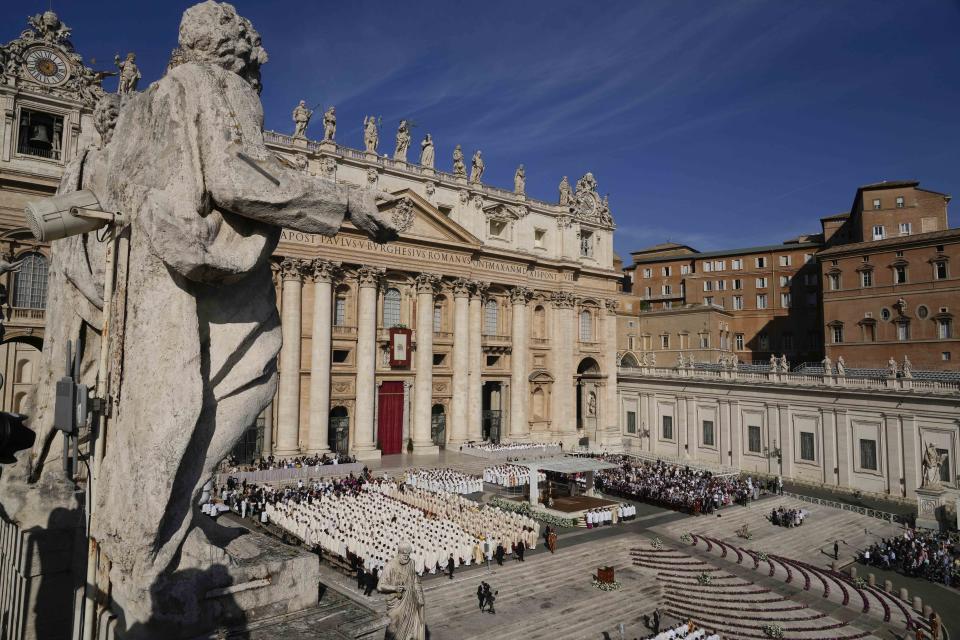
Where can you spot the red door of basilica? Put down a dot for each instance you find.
(390, 417)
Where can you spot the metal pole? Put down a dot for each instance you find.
(98, 443)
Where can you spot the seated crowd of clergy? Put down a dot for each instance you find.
(510, 475)
(231, 465)
(672, 486)
(519, 447)
(686, 630)
(449, 480)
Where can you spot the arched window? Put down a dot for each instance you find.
(539, 322)
(586, 326)
(391, 308)
(490, 317)
(30, 284)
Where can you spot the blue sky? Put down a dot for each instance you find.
(717, 124)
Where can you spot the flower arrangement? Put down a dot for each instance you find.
(860, 583)
(657, 544)
(606, 586)
(524, 509)
(773, 630)
(762, 556)
(705, 579)
(686, 538)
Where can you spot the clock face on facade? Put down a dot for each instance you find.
(46, 66)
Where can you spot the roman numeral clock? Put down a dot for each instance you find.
(46, 66)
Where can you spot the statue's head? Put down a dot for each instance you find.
(404, 551)
(105, 116)
(303, 103)
(131, 57)
(212, 32)
(50, 20)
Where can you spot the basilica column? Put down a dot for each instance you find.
(427, 284)
(323, 272)
(519, 426)
(288, 396)
(364, 444)
(475, 383)
(461, 361)
(610, 428)
(563, 410)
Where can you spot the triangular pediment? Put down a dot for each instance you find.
(416, 218)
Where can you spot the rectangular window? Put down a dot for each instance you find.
(708, 285)
(539, 238)
(878, 232)
(866, 278)
(498, 228)
(704, 340)
(708, 433)
(736, 264)
(837, 335)
(739, 342)
(899, 202)
(834, 279)
(762, 301)
(785, 300)
(945, 467)
(648, 273)
(438, 318)
(785, 261)
(668, 427)
(753, 439)
(647, 291)
(761, 283)
(41, 134)
(737, 303)
(869, 333)
(868, 454)
(784, 281)
(665, 341)
(876, 203)
(719, 265)
(707, 267)
(945, 356)
(807, 257)
(721, 285)
(905, 228)
(631, 421)
(764, 341)
(900, 274)
(667, 290)
(667, 271)
(945, 330)
(940, 270)
(738, 284)
(708, 300)
(807, 446)
(340, 312)
(586, 244)
(760, 262)
(684, 269)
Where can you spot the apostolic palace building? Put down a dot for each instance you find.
(829, 358)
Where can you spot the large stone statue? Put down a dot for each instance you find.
(195, 332)
(371, 134)
(907, 367)
(892, 367)
(477, 167)
(129, 74)
(403, 141)
(566, 193)
(427, 152)
(520, 181)
(329, 124)
(301, 118)
(459, 166)
(404, 597)
(841, 366)
(932, 461)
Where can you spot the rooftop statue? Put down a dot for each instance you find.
(427, 152)
(371, 133)
(195, 345)
(403, 141)
(301, 118)
(129, 74)
(477, 167)
(329, 124)
(566, 193)
(459, 167)
(520, 181)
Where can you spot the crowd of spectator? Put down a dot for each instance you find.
(928, 555)
(787, 517)
(231, 464)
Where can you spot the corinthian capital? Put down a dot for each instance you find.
(324, 270)
(563, 300)
(293, 268)
(428, 283)
(462, 287)
(520, 295)
(611, 306)
(370, 276)
(480, 288)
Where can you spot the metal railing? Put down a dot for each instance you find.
(892, 518)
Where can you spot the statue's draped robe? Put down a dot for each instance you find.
(201, 331)
(404, 610)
